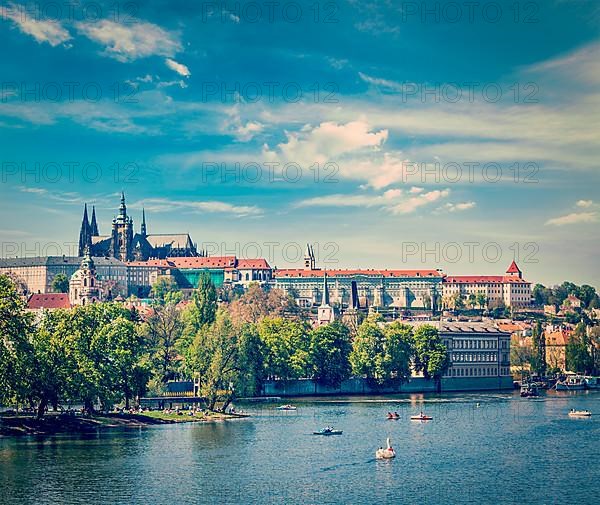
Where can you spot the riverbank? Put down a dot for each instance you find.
(51, 424)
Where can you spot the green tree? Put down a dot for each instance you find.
(381, 354)
(166, 290)
(538, 362)
(204, 301)
(472, 300)
(15, 325)
(481, 300)
(577, 352)
(163, 331)
(286, 347)
(430, 354)
(328, 354)
(60, 284)
(251, 361)
(214, 359)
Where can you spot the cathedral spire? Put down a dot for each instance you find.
(122, 207)
(143, 227)
(93, 224)
(84, 233)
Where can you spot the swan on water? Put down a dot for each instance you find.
(387, 453)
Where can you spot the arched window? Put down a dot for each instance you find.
(247, 277)
(85, 282)
(92, 282)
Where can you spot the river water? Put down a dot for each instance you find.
(506, 450)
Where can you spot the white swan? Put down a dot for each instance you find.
(387, 453)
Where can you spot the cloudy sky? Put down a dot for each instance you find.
(456, 137)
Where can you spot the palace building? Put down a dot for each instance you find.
(420, 289)
(126, 245)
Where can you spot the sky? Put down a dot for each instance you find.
(389, 134)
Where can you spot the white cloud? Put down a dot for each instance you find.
(328, 142)
(454, 207)
(393, 200)
(133, 41)
(166, 205)
(180, 68)
(48, 31)
(585, 203)
(573, 218)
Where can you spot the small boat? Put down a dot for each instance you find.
(572, 383)
(395, 415)
(286, 407)
(327, 432)
(421, 417)
(387, 453)
(579, 413)
(529, 390)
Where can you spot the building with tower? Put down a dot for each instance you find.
(84, 285)
(325, 313)
(126, 245)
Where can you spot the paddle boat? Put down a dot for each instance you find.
(421, 417)
(579, 413)
(286, 407)
(328, 431)
(395, 415)
(387, 453)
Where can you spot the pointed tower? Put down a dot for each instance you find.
(84, 233)
(93, 224)
(122, 234)
(143, 227)
(309, 258)
(325, 314)
(84, 287)
(514, 271)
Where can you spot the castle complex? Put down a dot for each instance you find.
(126, 245)
(127, 263)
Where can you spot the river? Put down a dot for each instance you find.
(492, 448)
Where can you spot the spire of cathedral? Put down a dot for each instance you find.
(122, 207)
(85, 238)
(143, 227)
(93, 224)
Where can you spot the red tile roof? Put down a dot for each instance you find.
(298, 272)
(150, 263)
(210, 262)
(483, 279)
(257, 263)
(557, 337)
(49, 301)
(513, 268)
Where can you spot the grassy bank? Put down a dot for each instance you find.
(15, 425)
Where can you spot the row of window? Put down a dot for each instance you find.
(474, 344)
(478, 371)
(474, 356)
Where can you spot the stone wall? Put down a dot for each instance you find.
(362, 387)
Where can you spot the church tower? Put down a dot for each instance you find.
(84, 287)
(122, 234)
(309, 258)
(85, 238)
(325, 314)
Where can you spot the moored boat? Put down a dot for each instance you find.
(592, 382)
(395, 415)
(529, 390)
(571, 383)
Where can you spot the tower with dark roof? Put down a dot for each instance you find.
(93, 224)
(85, 237)
(143, 227)
(325, 314)
(309, 258)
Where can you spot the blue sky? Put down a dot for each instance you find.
(440, 142)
